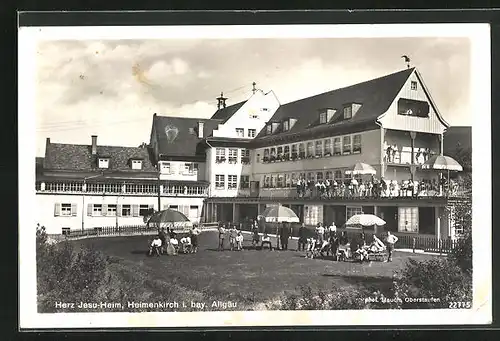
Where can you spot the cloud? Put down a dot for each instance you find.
(90, 87)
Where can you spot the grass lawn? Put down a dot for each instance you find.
(249, 277)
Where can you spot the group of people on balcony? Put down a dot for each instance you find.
(374, 188)
(393, 154)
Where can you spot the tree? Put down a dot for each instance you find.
(463, 156)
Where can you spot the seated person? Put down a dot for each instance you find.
(156, 246)
(311, 246)
(266, 240)
(186, 244)
(239, 241)
(376, 246)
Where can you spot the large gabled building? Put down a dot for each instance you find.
(391, 123)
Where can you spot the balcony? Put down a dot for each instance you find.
(343, 192)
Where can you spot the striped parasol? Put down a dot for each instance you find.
(361, 168)
(441, 162)
(278, 214)
(364, 220)
(170, 218)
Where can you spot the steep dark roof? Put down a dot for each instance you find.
(455, 135)
(39, 164)
(182, 138)
(225, 113)
(76, 157)
(375, 97)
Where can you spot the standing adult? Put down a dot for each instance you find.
(222, 232)
(278, 233)
(390, 240)
(286, 232)
(320, 233)
(302, 237)
(195, 232)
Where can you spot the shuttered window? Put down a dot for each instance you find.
(135, 210)
(65, 210)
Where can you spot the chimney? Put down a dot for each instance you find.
(47, 142)
(200, 129)
(94, 144)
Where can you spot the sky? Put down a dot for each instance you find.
(112, 88)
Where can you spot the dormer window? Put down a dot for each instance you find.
(103, 162)
(136, 164)
(286, 125)
(347, 112)
(269, 129)
(322, 118)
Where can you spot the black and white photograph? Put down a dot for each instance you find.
(255, 175)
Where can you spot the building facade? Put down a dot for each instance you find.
(259, 152)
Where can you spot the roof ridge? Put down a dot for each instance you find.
(88, 145)
(410, 70)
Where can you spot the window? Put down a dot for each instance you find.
(288, 180)
(264, 109)
(328, 175)
(103, 163)
(310, 149)
(286, 153)
(269, 129)
(97, 210)
(136, 164)
(126, 211)
(165, 167)
(66, 231)
(294, 151)
(232, 181)
(252, 132)
(280, 152)
(174, 207)
(346, 145)
(356, 144)
(274, 181)
(327, 147)
(143, 210)
(337, 175)
(190, 168)
(322, 118)
(337, 146)
(347, 112)
(193, 211)
(267, 181)
(413, 85)
(319, 148)
(111, 210)
(245, 156)
(294, 179)
(302, 153)
(411, 107)
(273, 154)
(240, 132)
(266, 155)
(66, 209)
(319, 176)
(220, 155)
(280, 181)
(408, 219)
(233, 155)
(353, 210)
(286, 125)
(220, 181)
(244, 181)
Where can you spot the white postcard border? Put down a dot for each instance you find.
(481, 313)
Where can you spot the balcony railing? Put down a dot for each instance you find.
(119, 189)
(354, 193)
(294, 156)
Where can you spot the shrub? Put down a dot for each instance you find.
(309, 299)
(438, 278)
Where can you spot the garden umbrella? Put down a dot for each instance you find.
(278, 214)
(442, 162)
(361, 168)
(169, 218)
(364, 220)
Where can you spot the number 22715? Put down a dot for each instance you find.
(459, 305)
